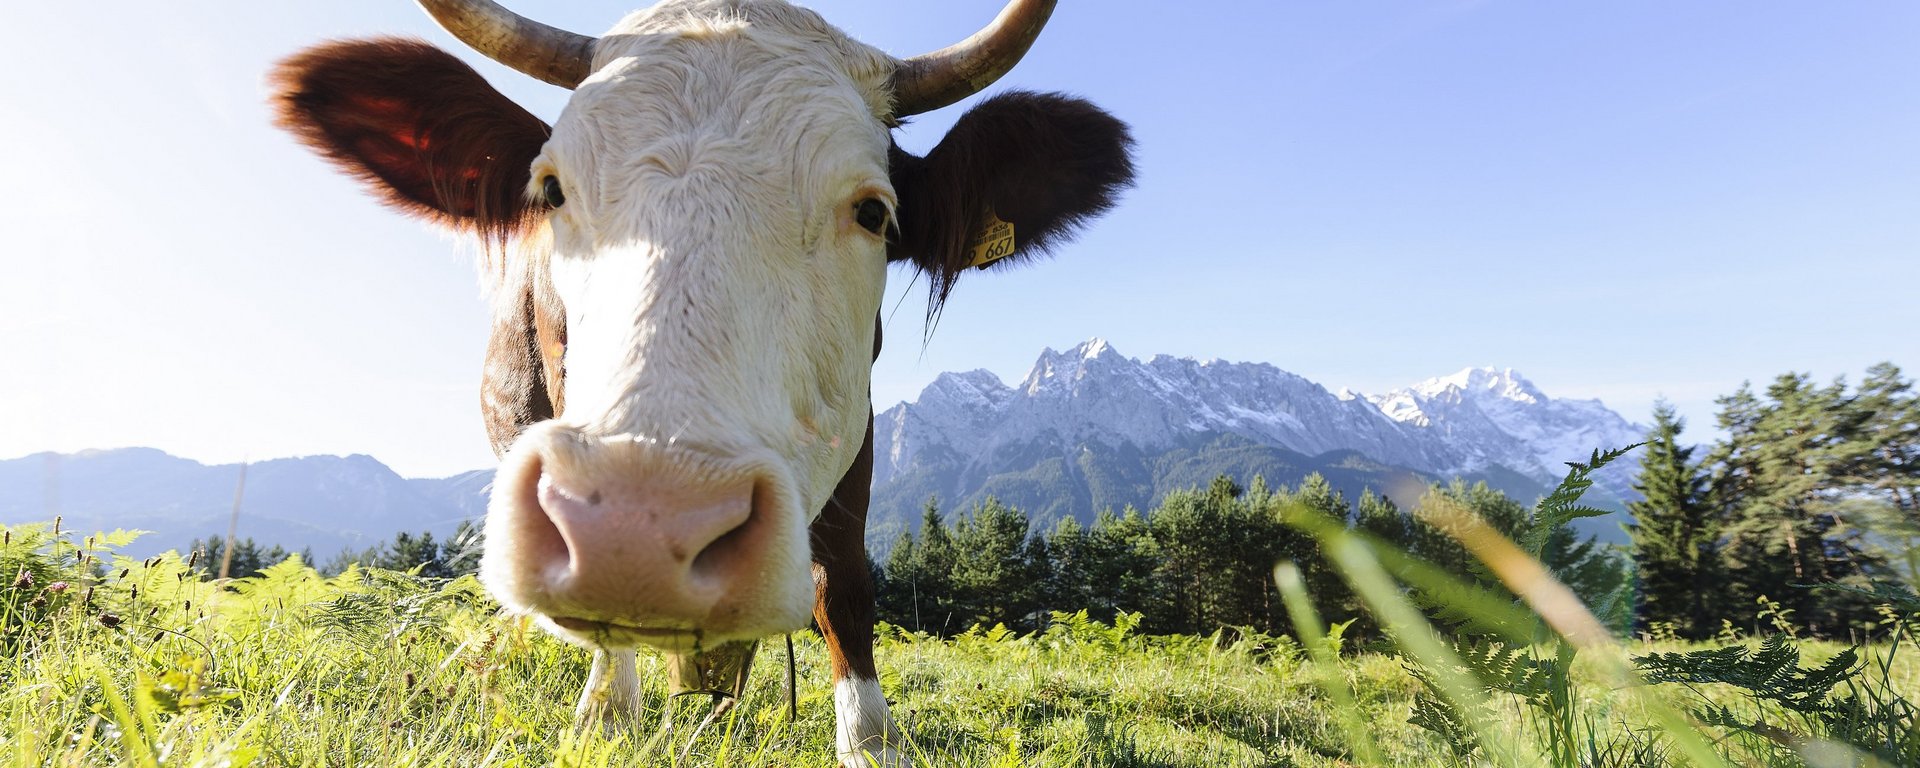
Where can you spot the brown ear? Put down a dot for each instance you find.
(514, 389)
(420, 127)
(1044, 162)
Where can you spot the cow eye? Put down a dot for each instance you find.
(550, 188)
(871, 215)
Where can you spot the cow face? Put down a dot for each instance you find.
(688, 267)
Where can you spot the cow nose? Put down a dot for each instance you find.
(656, 550)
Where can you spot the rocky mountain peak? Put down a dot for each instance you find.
(1505, 383)
(1473, 420)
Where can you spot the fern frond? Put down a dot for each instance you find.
(1771, 673)
(1561, 505)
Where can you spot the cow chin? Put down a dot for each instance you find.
(620, 542)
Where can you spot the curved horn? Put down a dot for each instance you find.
(553, 55)
(933, 80)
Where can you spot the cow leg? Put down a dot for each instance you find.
(613, 689)
(865, 735)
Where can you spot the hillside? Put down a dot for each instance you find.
(320, 503)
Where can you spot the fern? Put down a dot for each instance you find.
(1562, 505)
(395, 603)
(358, 616)
(1438, 714)
(1772, 673)
(1502, 657)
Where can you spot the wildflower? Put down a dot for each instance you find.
(59, 587)
(109, 620)
(24, 580)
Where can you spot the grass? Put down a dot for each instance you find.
(109, 661)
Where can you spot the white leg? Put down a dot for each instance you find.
(865, 736)
(613, 689)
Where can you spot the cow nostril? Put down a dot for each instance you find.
(541, 536)
(725, 554)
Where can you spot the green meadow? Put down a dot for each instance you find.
(110, 661)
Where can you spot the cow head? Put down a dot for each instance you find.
(687, 271)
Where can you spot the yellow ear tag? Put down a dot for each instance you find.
(993, 243)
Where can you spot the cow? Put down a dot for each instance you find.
(685, 274)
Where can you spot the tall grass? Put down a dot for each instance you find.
(1501, 687)
(106, 660)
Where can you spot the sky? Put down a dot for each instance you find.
(1622, 200)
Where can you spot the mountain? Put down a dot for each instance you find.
(321, 503)
(1087, 429)
(1091, 429)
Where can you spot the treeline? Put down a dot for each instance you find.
(1813, 494)
(1201, 561)
(454, 556)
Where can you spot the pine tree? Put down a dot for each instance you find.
(993, 578)
(1330, 593)
(1780, 483)
(407, 552)
(1123, 559)
(461, 552)
(1675, 534)
(896, 598)
(920, 575)
(249, 557)
(1883, 463)
(1381, 518)
(1193, 532)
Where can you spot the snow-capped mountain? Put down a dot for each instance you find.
(1090, 428)
(1087, 429)
(1497, 417)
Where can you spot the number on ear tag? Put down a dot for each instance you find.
(993, 243)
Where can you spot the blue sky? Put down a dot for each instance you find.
(1622, 200)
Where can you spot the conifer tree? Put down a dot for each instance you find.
(994, 580)
(896, 599)
(1379, 516)
(1123, 559)
(1330, 594)
(249, 557)
(1779, 482)
(1675, 534)
(920, 575)
(1883, 464)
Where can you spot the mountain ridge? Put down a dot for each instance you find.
(970, 432)
(1086, 429)
(325, 504)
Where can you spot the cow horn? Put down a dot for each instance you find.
(933, 80)
(553, 55)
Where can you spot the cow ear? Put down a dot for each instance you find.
(1043, 163)
(420, 127)
(514, 383)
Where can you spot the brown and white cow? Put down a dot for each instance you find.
(687, 271)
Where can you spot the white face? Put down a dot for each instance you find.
(720, 292)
